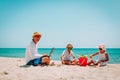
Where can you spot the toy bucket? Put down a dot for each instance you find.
(82, 61)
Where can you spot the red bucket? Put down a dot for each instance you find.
(82, 61)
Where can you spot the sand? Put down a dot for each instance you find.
(14, 69)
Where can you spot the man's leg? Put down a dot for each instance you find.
(46, 60)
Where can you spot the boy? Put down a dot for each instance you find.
(67, 55)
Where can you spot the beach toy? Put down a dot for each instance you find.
(83, 60)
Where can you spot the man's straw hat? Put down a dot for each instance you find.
(36, 34)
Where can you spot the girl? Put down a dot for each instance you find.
(103, 57)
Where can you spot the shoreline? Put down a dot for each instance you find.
(52, 59)
(14, 69)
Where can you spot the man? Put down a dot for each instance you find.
(32, 56)
(67, 55)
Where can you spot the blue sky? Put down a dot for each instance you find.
(83, 23)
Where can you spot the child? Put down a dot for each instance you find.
(103, 57)
(67, 55)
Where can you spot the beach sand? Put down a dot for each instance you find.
(14, 69)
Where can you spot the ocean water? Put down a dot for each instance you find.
(114, 53)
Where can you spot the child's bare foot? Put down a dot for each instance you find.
(75, 63)
(98, 65)
(52, 64)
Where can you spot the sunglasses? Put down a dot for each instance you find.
(37, 36)
(100, 48)
(69, 48)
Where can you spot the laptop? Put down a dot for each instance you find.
(51, 52)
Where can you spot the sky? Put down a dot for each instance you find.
(83, 23)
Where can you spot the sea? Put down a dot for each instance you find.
(114, 53)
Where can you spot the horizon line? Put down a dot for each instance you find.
(58, 47)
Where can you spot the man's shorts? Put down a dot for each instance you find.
(35, 62)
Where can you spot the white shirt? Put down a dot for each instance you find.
(66, 55)
(102, 57)
(31, 52)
